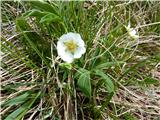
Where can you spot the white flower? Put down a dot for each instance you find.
(70, 46)
(132, 32)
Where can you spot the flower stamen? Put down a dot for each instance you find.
(71, 46)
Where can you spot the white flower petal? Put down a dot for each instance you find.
(133, 32)
(72, 36)
(60, 48)
(66, 37)
(68, 57)
(79, 52)
(78, 39)
(83, 50)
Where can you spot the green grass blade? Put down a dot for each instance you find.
(17, 100)
(20, 112)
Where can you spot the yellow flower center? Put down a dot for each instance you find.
(71, 46)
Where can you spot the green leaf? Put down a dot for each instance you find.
(129, 116)
(150, 80)
(35, 13)
(156, 56)
(84, 82)
(20, 112)
(14, 114)
(17, 100)
(44, 6)
(66, 65)
(45, 17)
(49, 18)
(107, 80)
(108, 64)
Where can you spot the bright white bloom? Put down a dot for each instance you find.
(132, 32)
(70, 46)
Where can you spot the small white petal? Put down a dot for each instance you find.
(60, 48)
(83, 50)
(78, 39)
(64, 38)
(68, 57)
(79, 52)
(129, 25)
(133, 32)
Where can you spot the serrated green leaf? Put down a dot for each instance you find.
(107, 80)
(84, 82)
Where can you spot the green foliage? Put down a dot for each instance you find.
(44, 6)
(50, 17)
(33, 40)
(128, 116)
(150, 80)
(20, 112)
(107, 81)
(17, 100)
(111, 58)
(35, 13)
(66, 65)
(84, 82)
(108, 65)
